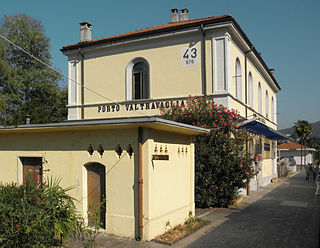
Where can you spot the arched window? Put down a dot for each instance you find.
(238, 80)
(267, 104)
(272, 109)
(259, 98)
(137, 79)
(250, 90)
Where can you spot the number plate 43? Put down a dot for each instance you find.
(189, 56)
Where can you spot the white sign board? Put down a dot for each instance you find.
(189, 56)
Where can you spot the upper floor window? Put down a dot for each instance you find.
(250, 90)
(272, 109)
(238, 80)
(72, 86)
(137, 79)
(259, 98)
(267, 104)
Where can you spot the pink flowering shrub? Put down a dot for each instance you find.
(221, 164)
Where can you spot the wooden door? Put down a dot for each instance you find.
(32, 169)
(96, 194)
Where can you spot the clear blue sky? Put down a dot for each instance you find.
(286, 32)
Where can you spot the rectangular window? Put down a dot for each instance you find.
(258, 147)
(32, 169)
(72, 90)
(220, 65)
(137, 78)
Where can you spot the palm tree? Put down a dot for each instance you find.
(303, 129)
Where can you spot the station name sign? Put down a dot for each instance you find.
(139, 106)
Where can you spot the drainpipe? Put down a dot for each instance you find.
(140, 184)
(203, 62)
(82, 84)
(248, 182)
(246, 81)
(246, 102)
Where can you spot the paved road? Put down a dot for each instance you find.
(285, 216)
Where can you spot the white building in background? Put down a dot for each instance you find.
(293, 150)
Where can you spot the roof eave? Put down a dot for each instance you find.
(143, 121)
(224, 19)
(151, 32)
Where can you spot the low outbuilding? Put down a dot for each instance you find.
(297, 152)
(141, 170)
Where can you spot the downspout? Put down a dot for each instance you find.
(279, 171)
(203, 62)
(140, 184)
(82, 84)
(246, 82)
(246, 103)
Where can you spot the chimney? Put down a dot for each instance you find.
(174, 16)
(27, 119)
(85, 31)
(184, 15)
(272, 71)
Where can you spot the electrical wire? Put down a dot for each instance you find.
(69, 78)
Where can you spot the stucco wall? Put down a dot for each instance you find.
(168, 185)
(257, 76)
(105, 69)
(296, 154)
(65, 154)
(105, 72)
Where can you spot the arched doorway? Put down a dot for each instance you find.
(96, 190)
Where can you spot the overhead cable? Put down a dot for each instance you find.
(55, 70)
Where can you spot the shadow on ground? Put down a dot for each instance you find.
(287, 216)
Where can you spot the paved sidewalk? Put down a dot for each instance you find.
(282, 214)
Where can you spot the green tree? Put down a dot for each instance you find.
(222, 166)
(303, 129)
(27, 87)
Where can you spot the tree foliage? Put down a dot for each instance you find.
(222, 166)
(303, 129)
(28, 87)
(302, 133)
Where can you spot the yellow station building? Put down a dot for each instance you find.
(138, 72)
(114, 146)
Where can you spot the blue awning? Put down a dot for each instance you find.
(258, 128)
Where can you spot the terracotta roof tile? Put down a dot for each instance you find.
(172, 26)
(155, 28)
(292, 146)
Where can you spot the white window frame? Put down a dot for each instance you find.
(259, 98)
(272, 108)
(267, 104)
(250, 79)
(238, 79)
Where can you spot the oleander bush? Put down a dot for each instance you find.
(35, 215)
(222, 166)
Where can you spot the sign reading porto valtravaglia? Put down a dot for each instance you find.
(139, 106)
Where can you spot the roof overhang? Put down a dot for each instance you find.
(292, 149)
(255, 127)
(145, 122)
(174, 28)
